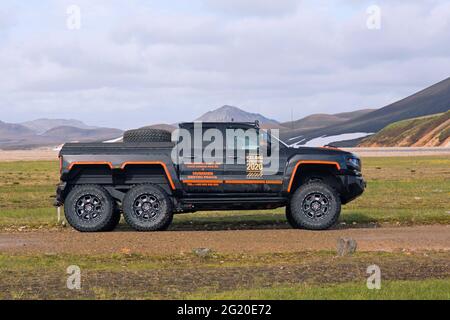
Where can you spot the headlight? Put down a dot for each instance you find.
(355, 163)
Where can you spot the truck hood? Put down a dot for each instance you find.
(318, 151)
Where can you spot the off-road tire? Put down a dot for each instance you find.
(100, 219)
(151, 219)
(318, 195)
(114, 221)
(147, 135)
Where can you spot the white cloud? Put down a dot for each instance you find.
(139, 64)
(253, 7)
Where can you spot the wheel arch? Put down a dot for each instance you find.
(305, 171)
(117, 179)
(149, 167)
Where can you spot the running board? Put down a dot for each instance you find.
(232, 203)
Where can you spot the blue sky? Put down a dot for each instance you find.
(140, 62)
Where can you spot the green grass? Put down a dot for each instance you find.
(432, 289)
(293, 275)
(405, 190)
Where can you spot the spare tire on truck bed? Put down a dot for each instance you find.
(147, 135)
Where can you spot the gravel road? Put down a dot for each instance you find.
(435, 237)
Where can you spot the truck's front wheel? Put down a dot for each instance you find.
(89, 208)
(148, 208)
(314, 206)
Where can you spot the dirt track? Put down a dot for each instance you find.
(435, 237)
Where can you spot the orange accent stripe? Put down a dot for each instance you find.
(236, 181)
(172, 185)
(203, 181)
(254, 181)
(109, 164)
(309, 162)
(274, 181)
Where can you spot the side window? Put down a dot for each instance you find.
(264, 139)
(244, 141)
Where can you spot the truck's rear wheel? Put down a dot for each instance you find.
(148, 208)
(314, 206)
(89, 208)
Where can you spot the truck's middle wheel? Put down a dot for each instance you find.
(147, 208)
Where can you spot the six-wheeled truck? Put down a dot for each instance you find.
(140, 179)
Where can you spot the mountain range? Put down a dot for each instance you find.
(51, 132)
(40, 126)
(341, 129)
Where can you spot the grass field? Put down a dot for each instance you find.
(434, 289)
(296, 275)
(400, 190)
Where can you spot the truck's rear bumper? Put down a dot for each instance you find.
(354, 186)
(60, 193)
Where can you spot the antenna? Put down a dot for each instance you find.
(292, 118)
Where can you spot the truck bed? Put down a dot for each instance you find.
(117, 148)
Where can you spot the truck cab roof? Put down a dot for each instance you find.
(221, 125)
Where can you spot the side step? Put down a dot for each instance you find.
(226, 203)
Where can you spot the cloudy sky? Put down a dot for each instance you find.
(139, 62)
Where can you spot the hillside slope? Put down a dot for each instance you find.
(430, 131)
(322, 120)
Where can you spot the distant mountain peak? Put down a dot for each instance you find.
(229, 113)
(31, 134)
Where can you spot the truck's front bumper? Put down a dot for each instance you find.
(354, 186)
(60, 194)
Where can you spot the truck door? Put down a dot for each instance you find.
(248, 169)
(198, 173)
(243, 168)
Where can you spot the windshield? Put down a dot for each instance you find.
(264, 136)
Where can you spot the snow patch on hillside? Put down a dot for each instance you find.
(324, 140)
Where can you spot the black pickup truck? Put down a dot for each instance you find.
(140, 178)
